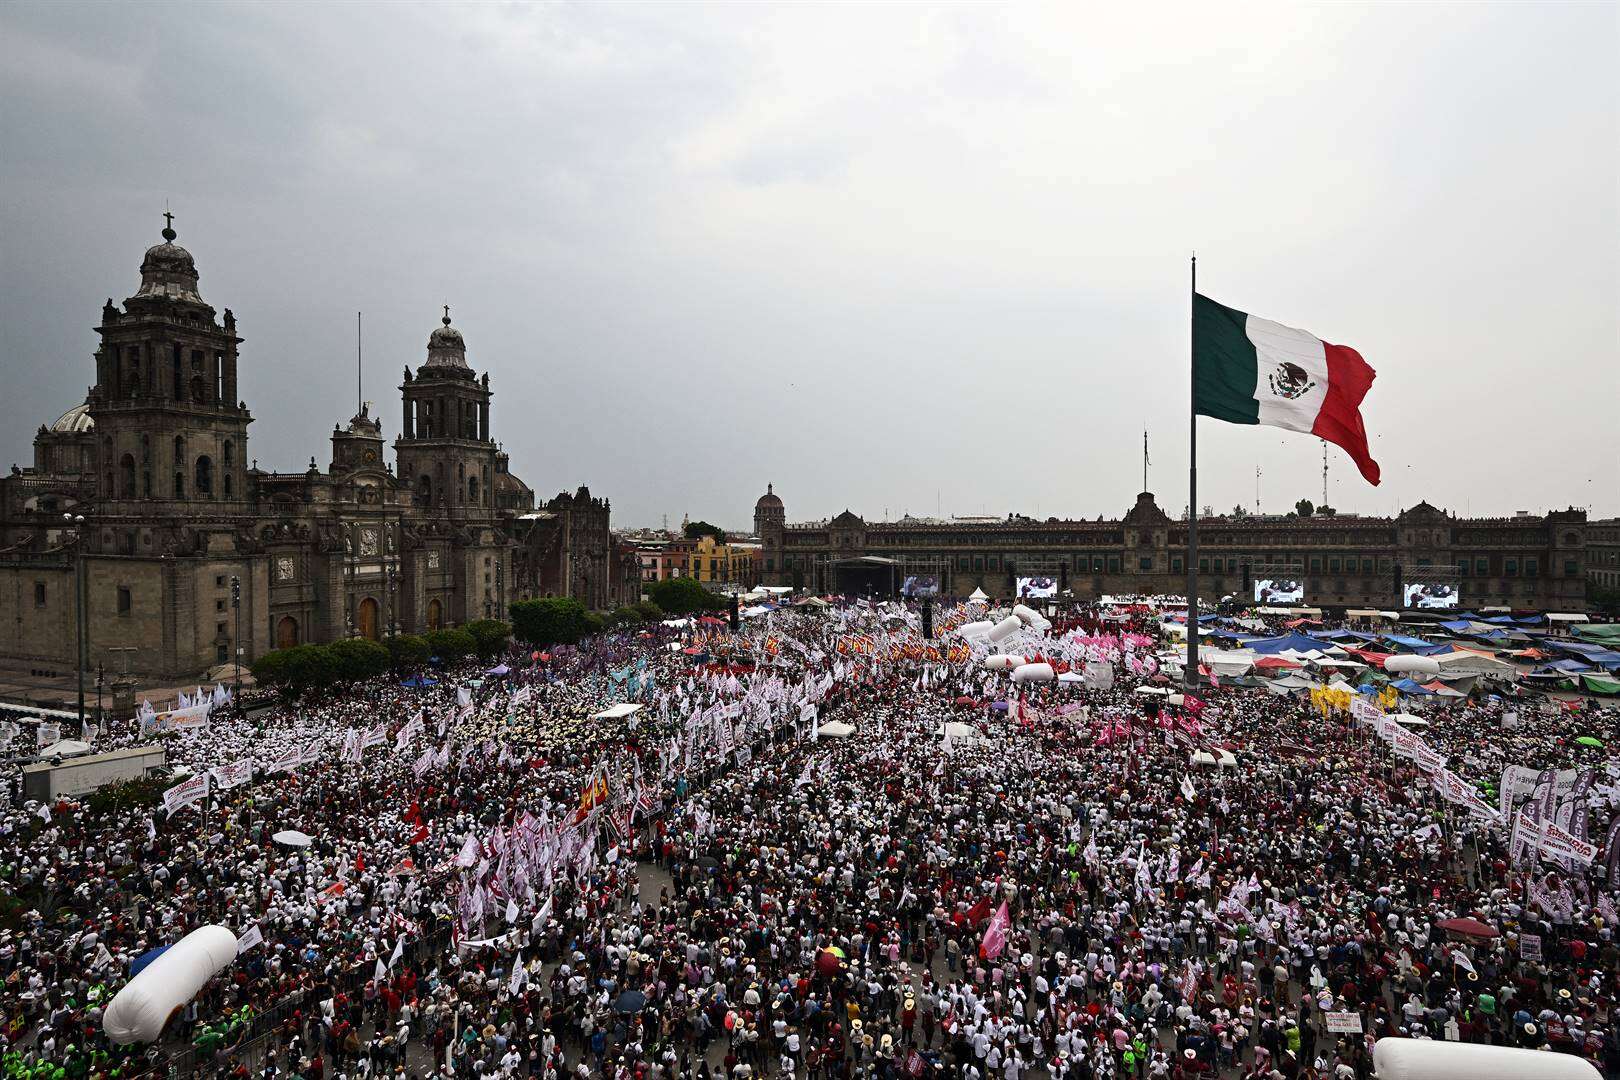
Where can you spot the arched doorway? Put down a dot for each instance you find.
(368, 619)
(286, 632)
(434, 615)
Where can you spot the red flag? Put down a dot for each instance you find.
(995, 935)
(360, 860)
(979, 912)
(421, 834)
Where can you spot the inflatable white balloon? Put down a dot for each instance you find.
(1412, 665)
(975, 629)
(1026, 615)
(1034, 673)
(1421, 1059)
(140, 1010)
(1003, 662)
(1004, 629)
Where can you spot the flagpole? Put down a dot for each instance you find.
(1190, 671)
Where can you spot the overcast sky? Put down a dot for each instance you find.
(889, 258)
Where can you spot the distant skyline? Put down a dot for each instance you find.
(890, 258)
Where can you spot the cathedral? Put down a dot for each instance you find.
(144, 502)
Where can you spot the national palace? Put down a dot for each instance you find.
(1527, 561)
(189, 554)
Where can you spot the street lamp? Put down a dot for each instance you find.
(81, 658)
(236, 612)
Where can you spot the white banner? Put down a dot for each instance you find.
(235, 774)
(286, 762)
(250, 938)
(48, 734)
(185, 793)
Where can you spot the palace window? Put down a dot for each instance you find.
(1532, 566)
(124, 602)
(1571, 568)
(1510, 567)
(1145, 563)
(39, 594)
(1113, 564)
(205, 475)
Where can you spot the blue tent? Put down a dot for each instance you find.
(1407, 686)
(1458, 626)
(419, 682)
(1297, 642)
(1417, 645)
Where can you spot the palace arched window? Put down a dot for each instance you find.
(205, 475)
(126, 467)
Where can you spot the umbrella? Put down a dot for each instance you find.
(708, 862)
(999, 706)
(1587, 740)
(630, 1001)
(292, 838)
(1468, 928)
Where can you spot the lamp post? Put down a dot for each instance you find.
(236, 612)
(81, 657)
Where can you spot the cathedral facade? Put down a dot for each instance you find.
(144, 505)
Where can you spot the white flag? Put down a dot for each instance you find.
(511, 910)
(399, 951)
(381, 974)
(520, 975)
(249, 939)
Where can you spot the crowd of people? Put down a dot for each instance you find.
(981, 879)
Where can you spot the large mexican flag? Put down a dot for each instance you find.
(1249, 370)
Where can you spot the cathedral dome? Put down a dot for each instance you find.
(769, 499)
(446, 349)
(75, 420)
(168, 270)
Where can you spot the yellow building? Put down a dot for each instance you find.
(710, 561)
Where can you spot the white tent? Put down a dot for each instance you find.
(1223, 758)
(618, 712)
(65, 748)
(1150, 691)
(1227, 662)
(978, 597)
(951, 729)
(1465, 661)
(1408, 720)
(836, 729)
(292, 838)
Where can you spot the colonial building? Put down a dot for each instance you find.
(1526, 561)
(188, 552)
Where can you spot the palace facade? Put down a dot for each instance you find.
(145, 501)
(1527, 561)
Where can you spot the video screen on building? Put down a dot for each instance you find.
(1272, 591)
(1425, 594)
(920, 585)
(1037, 588)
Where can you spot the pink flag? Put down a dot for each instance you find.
(995, 934)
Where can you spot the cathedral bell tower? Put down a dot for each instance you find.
(444, 450)
(169, 427)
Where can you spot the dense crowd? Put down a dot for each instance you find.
(981, 880)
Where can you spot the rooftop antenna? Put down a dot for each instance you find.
(1257, 491)
(1145, 459)
(359, 383)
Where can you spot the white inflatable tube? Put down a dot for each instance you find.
(975, 629)
(1003, 662)
(1423, 1059)
(1026, 615)
(1034, 673)
(1412, 665)
(140, 1010)
(1004, 629)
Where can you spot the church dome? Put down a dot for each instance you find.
(75, 420)
(446, 349)
(169, 271)
(769, 499)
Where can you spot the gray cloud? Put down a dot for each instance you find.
(887, 257)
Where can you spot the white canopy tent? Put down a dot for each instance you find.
(836, 729)
(1221, 758)
(618, 712)
(978, 596)
(65, 748)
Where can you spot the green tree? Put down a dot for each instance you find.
(1240, 511)
(683, 596)
(1304, 508)
(354, 659)
(695, 529)
(622, 617)
(301, 667)
(408, 650)
(490, 635)
(649, 611)
(1325, 511)
(1604, 599)
(552, 620)
(450, 645)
